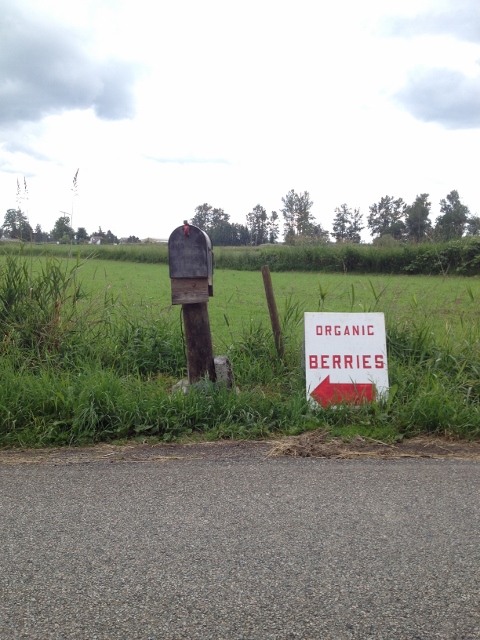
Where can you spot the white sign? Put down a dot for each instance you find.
(345, 357)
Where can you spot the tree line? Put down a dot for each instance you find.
(395, 219)
(390, 220)
(17, 227)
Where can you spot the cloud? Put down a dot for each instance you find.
(461, 19)
(17, 145)
(45, 68)
(187, 160)
(444, 96)
(6, 167)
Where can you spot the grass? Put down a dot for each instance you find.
(458, 257)
(90, 351)
(239, 298)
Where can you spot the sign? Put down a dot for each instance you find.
(345, 357)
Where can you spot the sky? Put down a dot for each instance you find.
(162, 107)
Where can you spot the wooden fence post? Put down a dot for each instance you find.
(272, 308)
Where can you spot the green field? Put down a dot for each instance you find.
(446, 302)
(90, 352)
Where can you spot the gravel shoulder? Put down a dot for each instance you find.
(314, 444)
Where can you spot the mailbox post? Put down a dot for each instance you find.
(190, 260)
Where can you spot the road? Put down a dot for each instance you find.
(240, 548)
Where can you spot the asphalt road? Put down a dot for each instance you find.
(241, 548)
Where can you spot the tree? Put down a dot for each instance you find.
(217, 217)
(356, 227)
(417, 221)
(387, 217)
(317, 235)
(62, 231)
(297, 214)
(320, 234)
(473, 226)
(216, 223)
(241, 234)
(16, 225)
(226, 234)
(347, 224)
(110, 238)
(289, 213)
(257, 225)
(340, 223)
(82, 235)
(273, 228)
(452, 223)
(261, 227)
(207, 218)
(39, 235)
(202, 217)
(305, 220)
(221, 234)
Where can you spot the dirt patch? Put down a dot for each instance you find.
(318, 444)
(314, 444)
(136, 452)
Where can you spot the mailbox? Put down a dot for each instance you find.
(190, 258)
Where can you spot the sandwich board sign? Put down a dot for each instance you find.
(345, 357)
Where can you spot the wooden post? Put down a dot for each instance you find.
(198, 339)
(272, 308)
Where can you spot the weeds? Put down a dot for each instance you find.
(78, 368)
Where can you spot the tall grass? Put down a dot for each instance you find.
(460, 257)
(456, 257)
(77, 368)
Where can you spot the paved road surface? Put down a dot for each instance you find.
(241, 548)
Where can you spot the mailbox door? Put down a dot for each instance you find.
(189, 256)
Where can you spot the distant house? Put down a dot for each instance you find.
(95, 240)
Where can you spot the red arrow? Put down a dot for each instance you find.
(328, 393)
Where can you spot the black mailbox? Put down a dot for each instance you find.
(190, 259)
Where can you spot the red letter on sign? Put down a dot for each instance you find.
(313, 362)
(379, 364)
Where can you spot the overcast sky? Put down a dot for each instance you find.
(165, 106)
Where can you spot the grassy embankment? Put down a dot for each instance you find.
(89, 352)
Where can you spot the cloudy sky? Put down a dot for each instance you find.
(164, 106)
